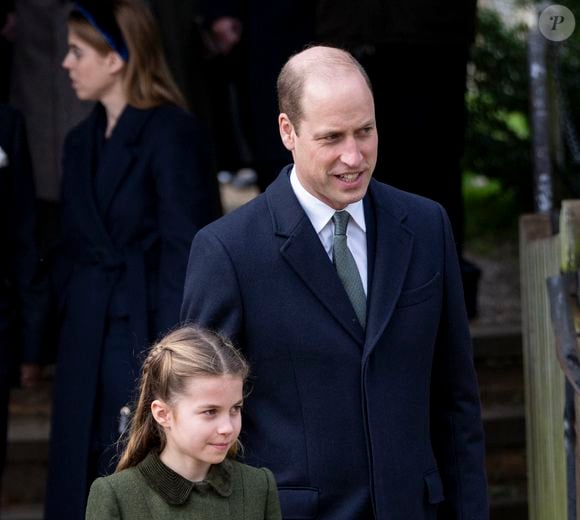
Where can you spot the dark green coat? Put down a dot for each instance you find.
(150, 490)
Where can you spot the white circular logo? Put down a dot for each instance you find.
(556, 23)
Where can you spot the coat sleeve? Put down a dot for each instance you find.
(273, 510)
(186, 202)
(102, 503)
(212, 296)
(457, 431)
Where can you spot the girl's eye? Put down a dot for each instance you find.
(210, 413)
(237, 409)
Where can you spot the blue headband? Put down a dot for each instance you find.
(107, 26)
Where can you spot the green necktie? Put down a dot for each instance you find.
(346, 267)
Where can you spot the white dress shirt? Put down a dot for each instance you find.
(320, 214)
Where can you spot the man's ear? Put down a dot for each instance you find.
(161, 413)
(287, 132)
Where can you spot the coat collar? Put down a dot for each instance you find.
(302, 250)
(175, 489)
(390, 242)
(121, 152)
(392, 254)
(91, 206)
(79, 166)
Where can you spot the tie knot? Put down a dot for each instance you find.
(340, 219)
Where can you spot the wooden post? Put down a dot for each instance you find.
(543, 377)
(570, 263)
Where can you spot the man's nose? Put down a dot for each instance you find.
(351, 154)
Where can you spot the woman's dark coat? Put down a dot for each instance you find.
(125, 241)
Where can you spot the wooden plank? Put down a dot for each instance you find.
(543, 377)
(570, 235)
(570, 263)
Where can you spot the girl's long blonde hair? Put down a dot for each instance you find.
(186, 352)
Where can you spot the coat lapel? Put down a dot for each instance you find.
(120, 153)
(81, 157)
(392, 253)
(302, 249)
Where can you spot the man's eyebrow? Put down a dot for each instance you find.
(327, 131)
(335, 131)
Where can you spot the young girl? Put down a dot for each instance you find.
(179, 459)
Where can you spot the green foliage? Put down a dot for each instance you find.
(497, 183)
(497, 159)
(498, 140)
(498, 130)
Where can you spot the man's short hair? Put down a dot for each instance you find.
(300, 66)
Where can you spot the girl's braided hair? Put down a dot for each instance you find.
(184, 353)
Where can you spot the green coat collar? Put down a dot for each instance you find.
(175, 489)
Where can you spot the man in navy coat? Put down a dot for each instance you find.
(362, 411)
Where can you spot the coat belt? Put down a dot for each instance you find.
(133, 261)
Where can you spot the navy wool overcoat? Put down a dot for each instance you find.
(128, 215)
(354, 424)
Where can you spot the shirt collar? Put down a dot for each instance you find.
(175, 489)
(320, 213)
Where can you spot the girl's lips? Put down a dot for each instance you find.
(220, 446)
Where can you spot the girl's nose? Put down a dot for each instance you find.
(226, 426)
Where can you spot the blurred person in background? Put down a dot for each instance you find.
(135, 189)
(257, 37)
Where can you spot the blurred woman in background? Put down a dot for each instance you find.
(136, 187)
